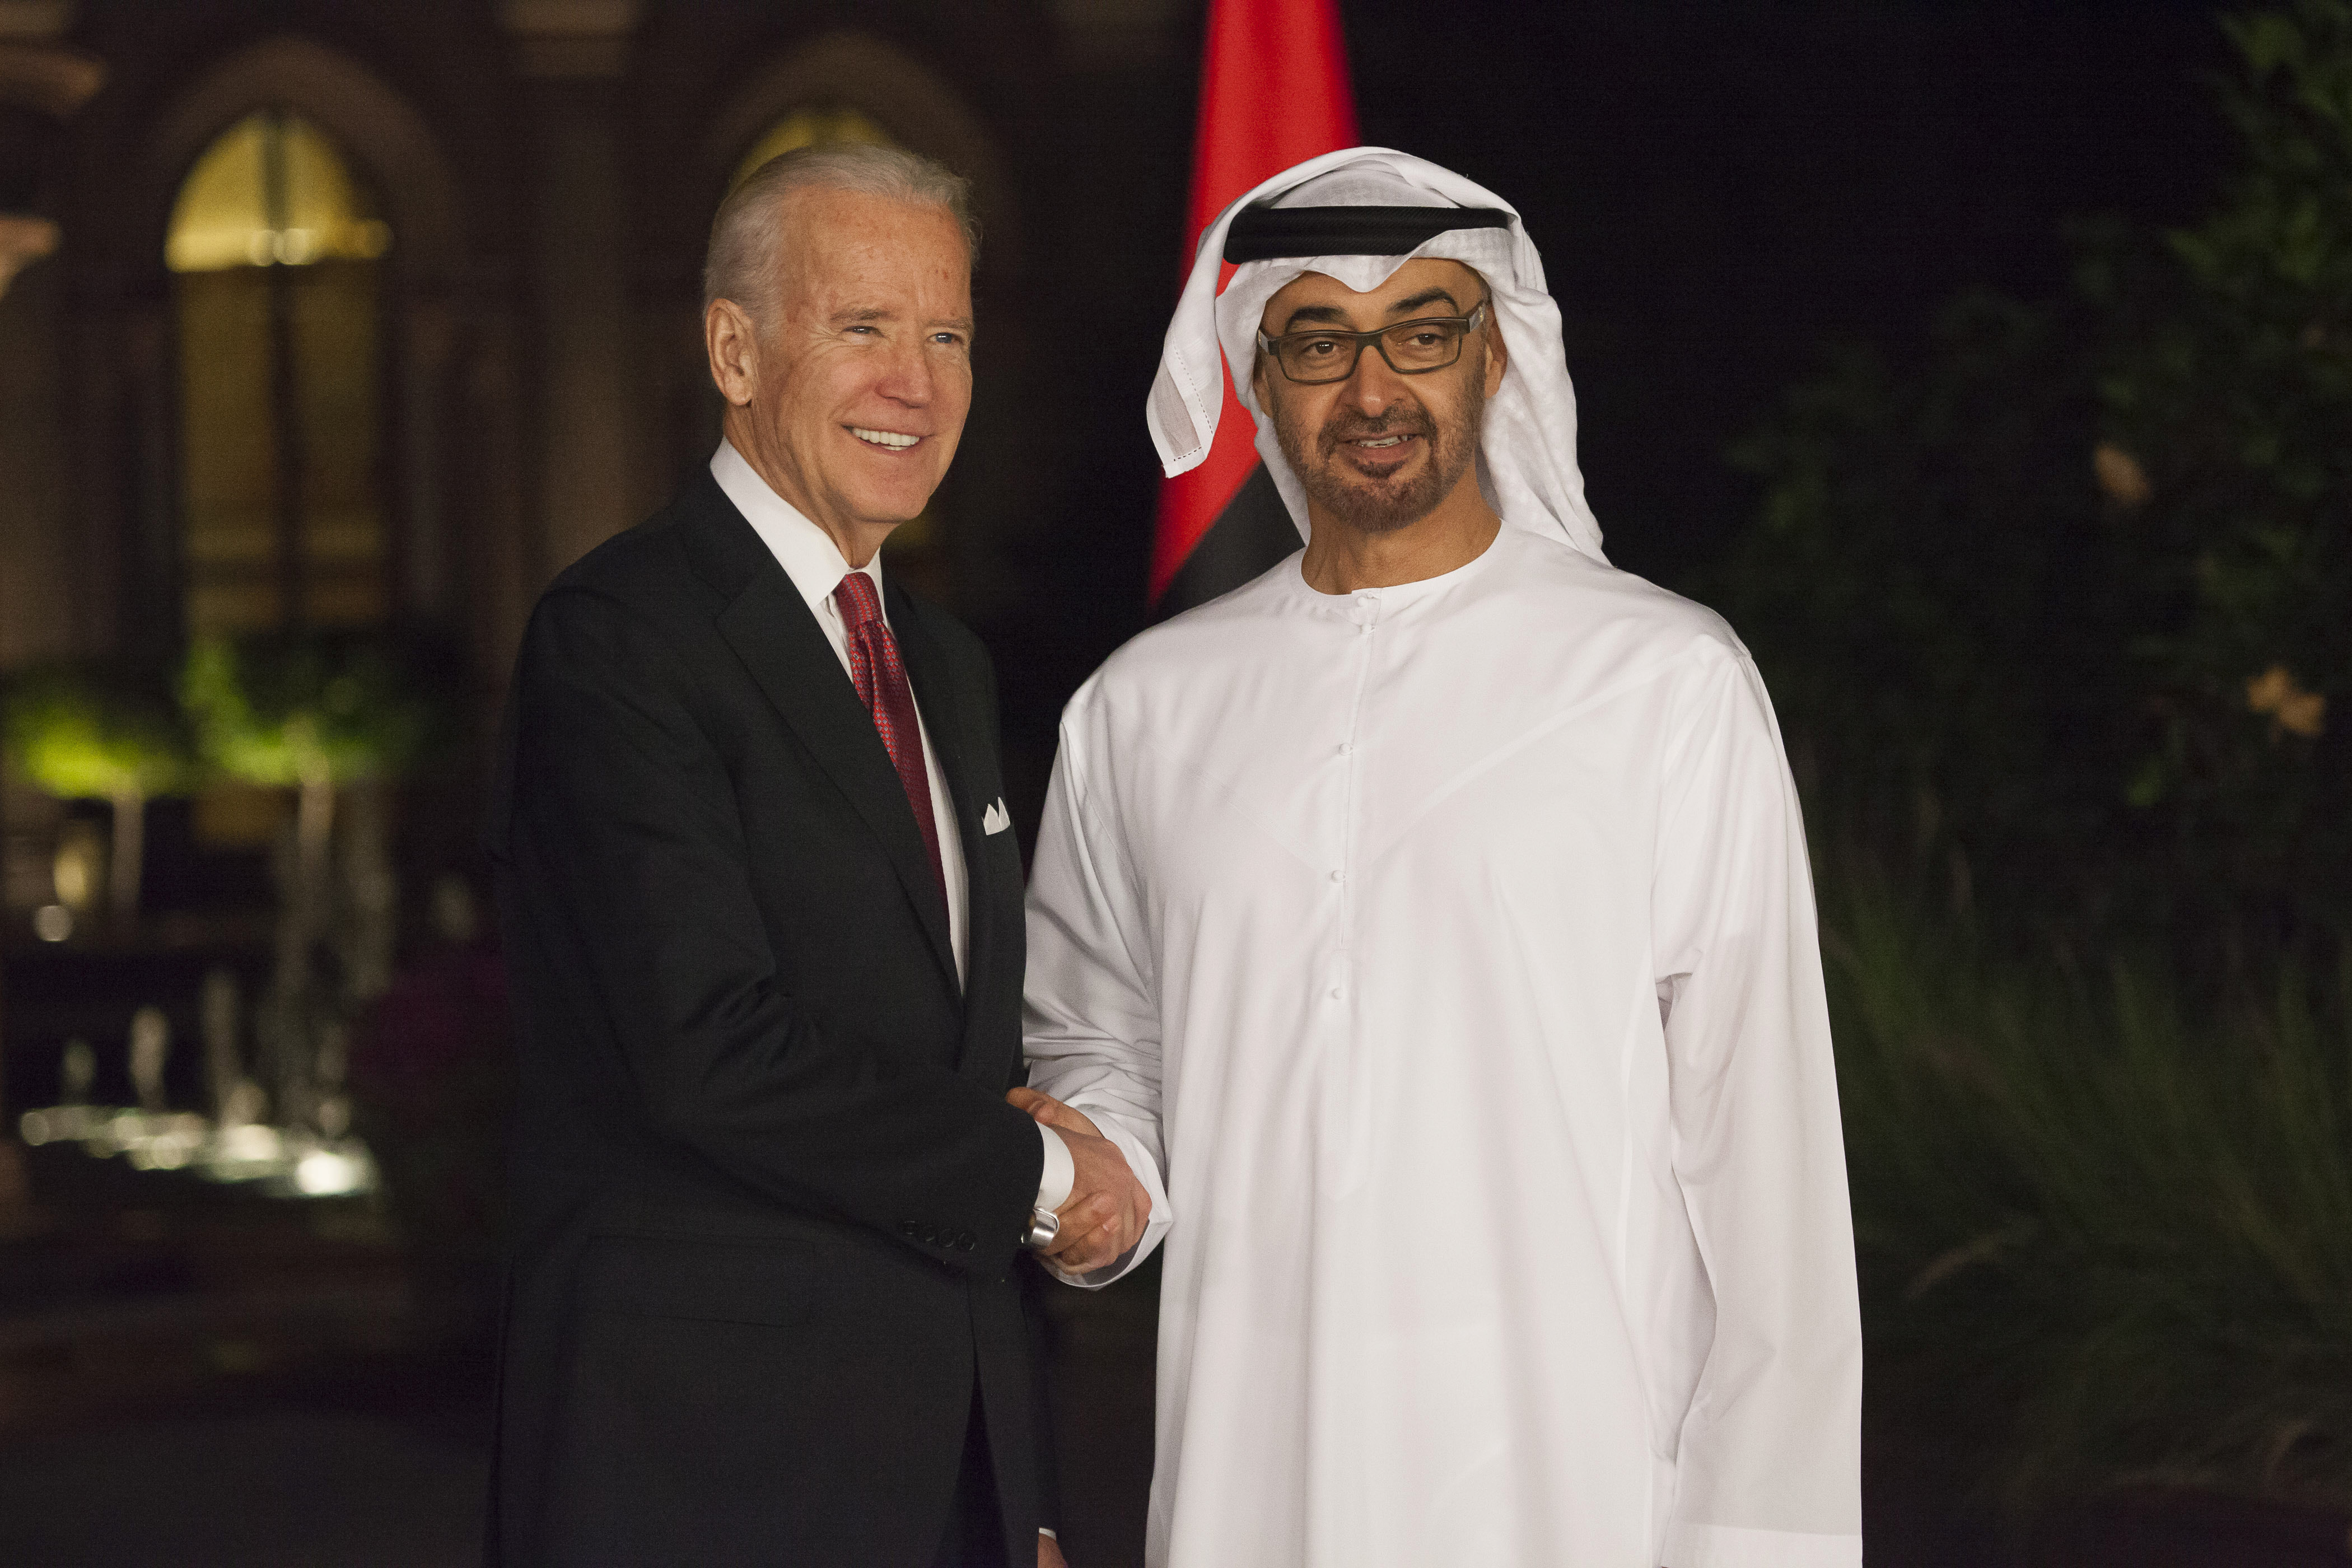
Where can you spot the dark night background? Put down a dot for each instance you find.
(1717, 190)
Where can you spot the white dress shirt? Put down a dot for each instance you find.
(814, 563)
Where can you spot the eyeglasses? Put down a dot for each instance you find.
(1322, 354)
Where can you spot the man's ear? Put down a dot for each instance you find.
(1258, 387)
(1499, 357)
(732, 342)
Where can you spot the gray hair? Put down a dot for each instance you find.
(745, 235)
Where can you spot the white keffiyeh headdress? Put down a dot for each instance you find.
(1528, 459)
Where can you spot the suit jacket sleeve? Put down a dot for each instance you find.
(626, 818)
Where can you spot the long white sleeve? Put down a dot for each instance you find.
(1770, 1451)
(1060, 1172)
(1090, 1026)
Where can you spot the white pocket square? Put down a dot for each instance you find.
(995, 819)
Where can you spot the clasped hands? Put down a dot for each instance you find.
(1103, 1217)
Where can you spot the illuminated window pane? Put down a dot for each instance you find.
(343, 544)
(276, 243)
(272, 188)
(228, 452)
(811, 127)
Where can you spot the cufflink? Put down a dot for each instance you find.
(1045, 1225)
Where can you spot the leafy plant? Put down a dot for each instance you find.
(2054, 614)
(81, 731)
(2113, 1232)
(2066, 594)
(2229, 374)
(325, 716)
(304, 712)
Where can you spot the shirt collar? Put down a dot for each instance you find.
(805, 551)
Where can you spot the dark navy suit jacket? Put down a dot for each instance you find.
(769, 1198)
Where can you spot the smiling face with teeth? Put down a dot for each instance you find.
(849, 400)
(1381, 454)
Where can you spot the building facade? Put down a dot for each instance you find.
(345, 313)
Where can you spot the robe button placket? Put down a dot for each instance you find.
(1365, 611)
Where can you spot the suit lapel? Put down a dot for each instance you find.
(945, 719)
(769, 627)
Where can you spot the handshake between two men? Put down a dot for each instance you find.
(1105, 1214)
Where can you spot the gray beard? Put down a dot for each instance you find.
(1384, 508)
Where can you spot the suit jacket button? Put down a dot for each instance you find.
(967, 1241)
(931, 1235)
(909, 1228)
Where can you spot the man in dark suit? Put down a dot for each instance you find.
(763, 917)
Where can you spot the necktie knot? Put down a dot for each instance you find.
(858, 600)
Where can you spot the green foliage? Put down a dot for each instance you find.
(2232, 378)
(2113, 1232)
(285, 711)
(2068, 593)
(1905, 587)
(80, 732)
(2061, 606)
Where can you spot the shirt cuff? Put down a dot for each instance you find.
(1061, 1172)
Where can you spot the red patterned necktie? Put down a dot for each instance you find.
(880, 677)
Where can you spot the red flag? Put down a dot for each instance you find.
(1274, 92)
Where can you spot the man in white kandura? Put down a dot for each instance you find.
(1428, 922)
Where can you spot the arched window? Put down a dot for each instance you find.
(809, 127)
(276, 246)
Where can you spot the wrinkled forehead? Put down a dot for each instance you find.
(1424, 284)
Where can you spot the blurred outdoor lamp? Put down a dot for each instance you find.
(331, 1173)
(250, 1144)
(161, 1142)
(150, 1048)
(75, 871)
(72, 1116)
(77, 1072)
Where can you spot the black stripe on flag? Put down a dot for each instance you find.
(1252, 533)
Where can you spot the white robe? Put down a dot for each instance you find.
(1443, 957)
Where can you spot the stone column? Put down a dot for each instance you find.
(35, 621)
(572, 55)
(42, 83)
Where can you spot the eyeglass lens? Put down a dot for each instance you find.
(1410, 347)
